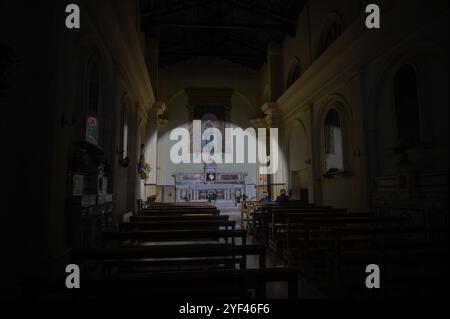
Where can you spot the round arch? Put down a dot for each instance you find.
(332, 27)
(427, 59)
(93, 55)
(295, 71)
(339, 104)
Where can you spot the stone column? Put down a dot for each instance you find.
(256, 124)
(314, 164)
(273, 116)
(151, 146)
(274, 120)
(316, 157)
(275, 71)
(133, 156)
(152, 60)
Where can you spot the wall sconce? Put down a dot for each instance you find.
(67, 123)
(124, 162)
(357, 153)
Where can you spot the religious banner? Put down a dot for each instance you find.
(92, 130)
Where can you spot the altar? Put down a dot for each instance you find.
(213, 108)
(197, 187)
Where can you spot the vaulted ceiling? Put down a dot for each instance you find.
(237, 30)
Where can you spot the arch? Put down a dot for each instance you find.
(383, 136)
(295, 71)
(175, 96)
(125, 108)
(407, 54)
(236, 93)
(336, 117)
(332, 29)
(245, 99)
(333, 142)
(94, 56)
(92, 45)
(93, 102)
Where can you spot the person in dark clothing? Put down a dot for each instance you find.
(283, 198)
(266, 198)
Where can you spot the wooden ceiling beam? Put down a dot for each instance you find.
(168, 11)
(166, 54)
(256, 11)
(220, 26)
(244, 43)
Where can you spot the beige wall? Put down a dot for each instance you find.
(357, 70)
(54, 85)
(204, 73)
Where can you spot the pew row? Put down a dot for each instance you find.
(205, 284)
(173, 236)
(166, 256)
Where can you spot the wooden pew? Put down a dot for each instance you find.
(406, 264)
(178, 207)
(252, 207)
(279, 217)
(174, 206)
(163, 209)
(260, 219)
(314, 236)
(263, 218)
(158, 212)
(178, 224)
(272, 225)
(161, 218)
(324, 249)
(295, 224)
(189, 204)
(173, 236)
(210, 284)
(172, 255)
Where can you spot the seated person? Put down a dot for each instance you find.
(283, 198)
(266, 198)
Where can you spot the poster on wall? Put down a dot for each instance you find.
(92, 130)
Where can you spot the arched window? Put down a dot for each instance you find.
(332, 33)
(93, 102)
(294, 74)
(125, 132)
(334, 148)
(407, 105)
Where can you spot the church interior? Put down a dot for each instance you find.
(356, 209)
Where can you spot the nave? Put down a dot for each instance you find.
(95, 117)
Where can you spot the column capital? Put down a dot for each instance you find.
(269, 108)
(158, 107)
(258, 123)
(273, 114)
(162, 123)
